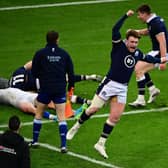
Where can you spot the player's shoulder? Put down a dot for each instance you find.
(42, 51)
(157, 20)
(138, 54)
(63, 52)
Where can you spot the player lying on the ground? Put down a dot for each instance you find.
(74, 98)
(25, 101)
(23, 79)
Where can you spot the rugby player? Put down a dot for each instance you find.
(113, 88)
(25, 101)
(50, 65)
(157, 31)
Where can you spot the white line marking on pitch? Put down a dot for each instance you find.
(83, 157)
(135, 112)
(100, 116)
(53, 148)
(96, 116)
(57, 4)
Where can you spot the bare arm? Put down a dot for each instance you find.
(162, 44)
(163, 50)
(143, 32)
(28, 65)
(116, 35)
(27, 107)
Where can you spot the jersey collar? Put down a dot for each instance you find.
(152, 17)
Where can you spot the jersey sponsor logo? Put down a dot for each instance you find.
(7, 150)
(129, 61)
(103, 93)
(53, 58)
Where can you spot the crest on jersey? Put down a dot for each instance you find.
(129, 61)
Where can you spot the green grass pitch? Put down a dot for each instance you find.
(139, 140)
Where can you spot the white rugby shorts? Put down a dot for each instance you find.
(111, 89)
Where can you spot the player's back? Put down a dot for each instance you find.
(14, 96)
(50, 65)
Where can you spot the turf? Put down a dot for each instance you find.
(139, 140)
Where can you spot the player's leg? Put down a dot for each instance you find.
(140, 69)
(41, 102)
(80, 100)
(98, 101)
(37, 122)
(96, 104)
(116, 110)
(60, 110)
(93, 77)
(153, 91)
(30, 107)
(49, 116)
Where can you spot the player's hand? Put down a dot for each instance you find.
(70, 92)
(162, 66)
(130, 13)
(164, 59)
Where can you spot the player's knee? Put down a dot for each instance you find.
(138, 72)
(114, 119)
(91, 110)
(110, 122)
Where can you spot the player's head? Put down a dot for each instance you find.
(52, 37)
(14, 123)
(132, 39)
(143, 12)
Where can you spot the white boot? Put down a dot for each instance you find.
(100, 147)
(71, 133)
(153, 94)
(139, 102)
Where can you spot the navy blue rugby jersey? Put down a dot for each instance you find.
(155, 26)
(50, 65)
(122, 63)
(30, 82)
(23, 79)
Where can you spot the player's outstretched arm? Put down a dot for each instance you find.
(116, 36)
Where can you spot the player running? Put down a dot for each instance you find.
(113, 88)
